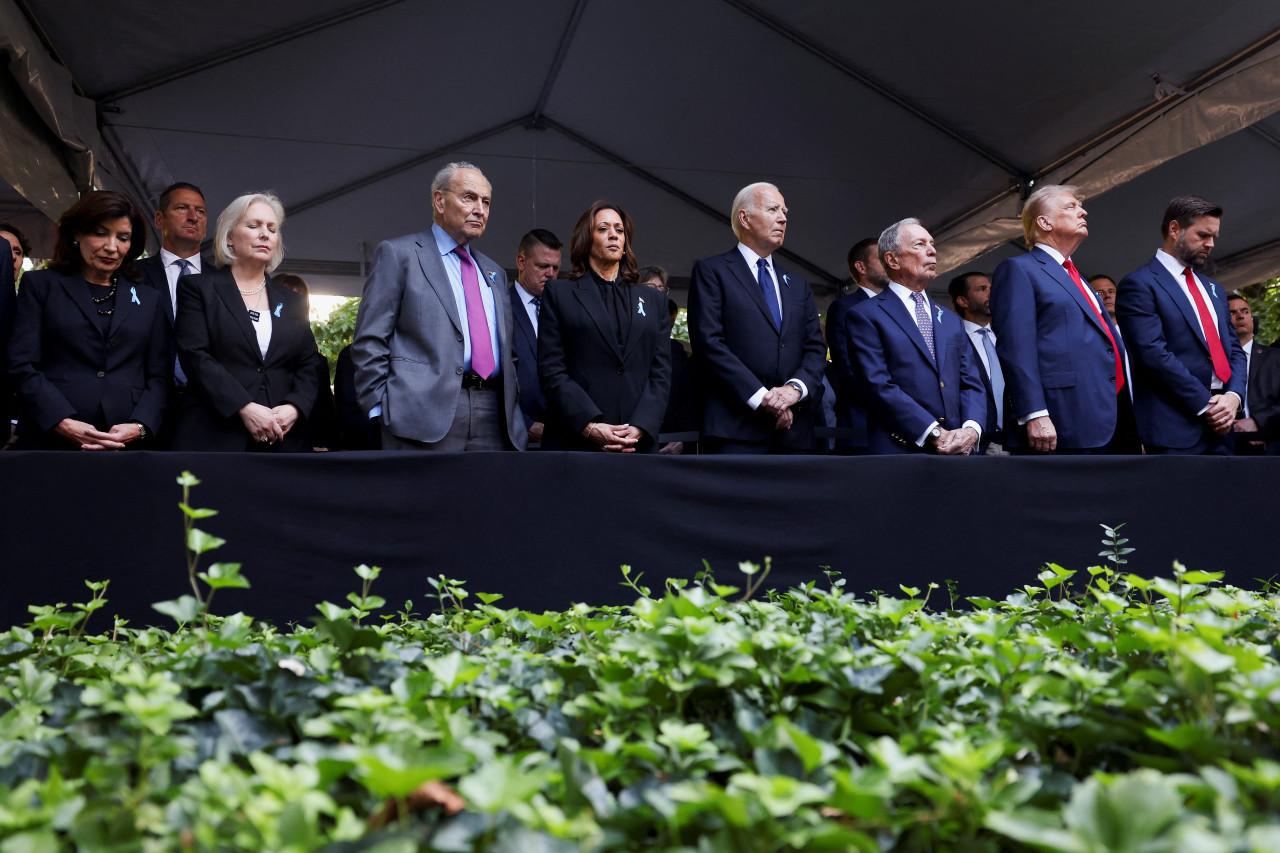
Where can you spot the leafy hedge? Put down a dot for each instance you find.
(1128, 715)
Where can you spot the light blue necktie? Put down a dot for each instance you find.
(770, 295)
(996, 374)
(184, 268)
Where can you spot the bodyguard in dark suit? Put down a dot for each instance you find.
(433, 348)
(7, 306)
(603, 355)
(970, 294)
(1064, 364)
(1257, 429)
(1189, 369)
(869, 281)
(537, 262)
(245, 342)
(90, 345)
(914, 366)
(182, 219)
(754, 328)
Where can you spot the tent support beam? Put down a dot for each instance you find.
(413, 162)
(676, 192)
(842, 65)
(566, 39)
(187, 69)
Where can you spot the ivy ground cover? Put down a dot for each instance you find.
(1103, 712)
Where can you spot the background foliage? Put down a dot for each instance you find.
(1091, 711)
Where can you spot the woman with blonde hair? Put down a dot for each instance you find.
(244, 341)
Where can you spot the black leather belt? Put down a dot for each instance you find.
(472, 380)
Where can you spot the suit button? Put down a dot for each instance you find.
(101, 374)
(1110, 351)
(781, 345)
(1208, 361)
(1111, 379)
(114, 341)
(262, 370)
(621, 370)
(459, 371)
(459, 337)
(942, 385)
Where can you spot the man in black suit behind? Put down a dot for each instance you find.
(182, 218)
(537, 262)
(1258, 427)
(869, 280)
(970, 294)
(755, 327)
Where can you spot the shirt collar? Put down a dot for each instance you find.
(1052, 252)
(167, 258)
(1173, 265)
(444, 242)
(971, 328)
(751, 258)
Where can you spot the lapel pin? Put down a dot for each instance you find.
(1213, 288)
(640, 306)
(786, 280)
(939, 307)
(279, 306)
(133, 293)
(493, 276)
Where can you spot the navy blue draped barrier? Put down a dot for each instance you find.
(549, 529)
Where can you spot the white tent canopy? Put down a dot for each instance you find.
(861, 113)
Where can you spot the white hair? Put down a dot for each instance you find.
(230, 218)
(444, 178)
(891, 237)
(746, 200)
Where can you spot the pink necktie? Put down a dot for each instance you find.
(1221, 367)
(1089, 297)
(477, 321)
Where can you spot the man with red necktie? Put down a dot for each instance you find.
(1064, 364)
(1189, 368)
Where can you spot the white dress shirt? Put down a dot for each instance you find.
(752, 258)
(172, 269)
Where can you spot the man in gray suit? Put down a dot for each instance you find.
(433, 345)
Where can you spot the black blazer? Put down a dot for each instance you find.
(741, 350)
(225, 370)
(7, 300)
(1264, 396)
(65, 367)
(850, 411)
(584, 374)
(533, 403)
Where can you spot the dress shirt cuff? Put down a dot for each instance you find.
(925, 435)
(1039, 413)
(1239, 402)
(804, 389)
(976, 427)
(375, 411)
(754, 400)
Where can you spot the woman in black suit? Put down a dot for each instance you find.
(603, 357)
(90, 350)
(244, 341)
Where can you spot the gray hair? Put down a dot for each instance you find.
(444, 178)
(746, 200)
(891, 237)
(230, 218)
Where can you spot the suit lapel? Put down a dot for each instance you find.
(893, 305)
(738, 266)
(521, 318)
(938, 336)
(588, 295)
(224, 284)
(437, 277)
(639, 299)
(78, 293)
(277, 297)
(1059, 274)
(127, 299)
(1171, 286)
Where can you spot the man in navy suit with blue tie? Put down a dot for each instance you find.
(1189, 368)
(915, 369)
(755, 328)
(537, 262)
(1064, 364)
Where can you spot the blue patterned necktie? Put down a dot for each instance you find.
(184, 268)
(770, 294)
(925, 324)
(997, 376)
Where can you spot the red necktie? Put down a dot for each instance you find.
(1221, 367)
(1088, 297)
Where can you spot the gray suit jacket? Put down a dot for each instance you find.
(408, 343)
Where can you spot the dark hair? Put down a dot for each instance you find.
(91, 210)
(959, 286)
(1187, 209)
(22, 238)
(673, 307)
(539, 237)
(1235, 294)
(860, 252)
(296, 283)
(580, 243)
(165, 196)
(646, 273)
(1091, 279)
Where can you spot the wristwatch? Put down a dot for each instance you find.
(796, 385)
(935, 433)
(143, 435)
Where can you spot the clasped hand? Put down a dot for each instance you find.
(1221, 413)
(89, 438)
(269, 426)
(613, 438)
(778, 402)
(956, 442)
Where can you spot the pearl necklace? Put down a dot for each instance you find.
(255, 290)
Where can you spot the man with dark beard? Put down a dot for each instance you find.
(1189, 369)
(971, 298)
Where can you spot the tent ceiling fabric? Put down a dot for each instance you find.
(861, 113)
